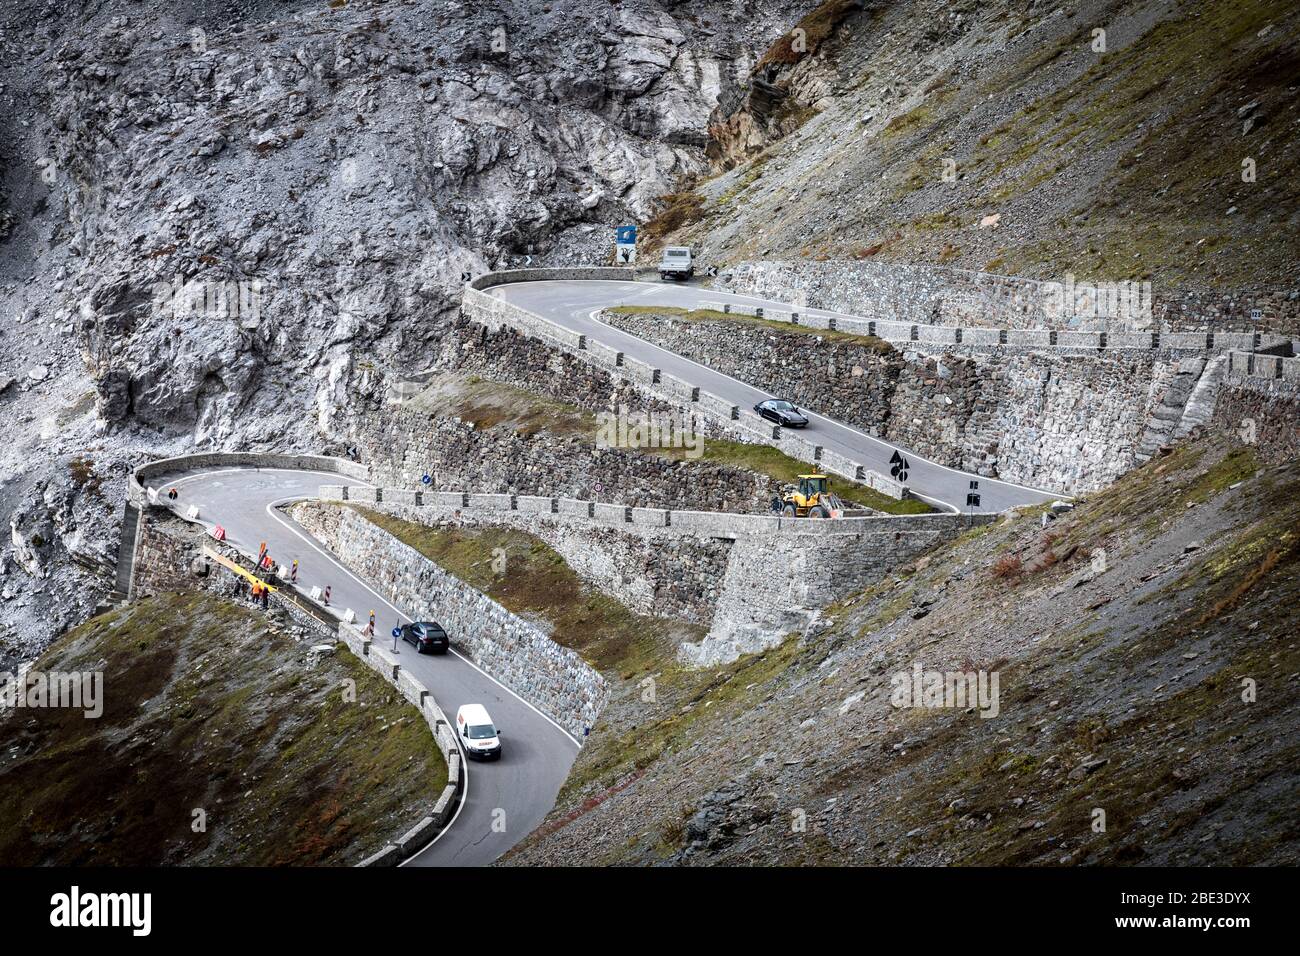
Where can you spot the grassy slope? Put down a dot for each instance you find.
(488, 404)
(537, 583)
(1141, 668)
(1111, 165)
(206, 706)
(764, 458)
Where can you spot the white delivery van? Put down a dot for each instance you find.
(677, 263)
(478, 735)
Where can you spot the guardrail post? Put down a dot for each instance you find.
(618, 358)
(582, 341)
(419, 499)
(859, 473)
(758, 312)
(726, 307)
(1101, 340)
(464, 499)
(1155, 340)
(627, 514)
(956, 335)
(871, 328)
(514, 502)
(1002, 336)
(794, 318)
(654, 376)
(379, 496)
(817, 453)
(591, 509)
(695, 394)
(1051, 337)
(914, 333)
(735, 413)
(1209, 340)
(345, 493)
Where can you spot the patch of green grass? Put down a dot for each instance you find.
(208, 705)
(529, 578)
(713, 315)
(775, 463)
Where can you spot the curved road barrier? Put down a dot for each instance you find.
(561, 307)
(500, 802)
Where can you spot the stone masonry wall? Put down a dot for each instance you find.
(514, 651)
(930, 295)
(404, 442)
(758, 583)
(1261, 412)
(1050, 419)
(652, 573)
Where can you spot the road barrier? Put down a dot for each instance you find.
(689, 398)
(1038, 339)
(719, 524)
(387, 666)
(1255, 365)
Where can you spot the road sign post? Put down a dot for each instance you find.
(972, 502)
(625, 245)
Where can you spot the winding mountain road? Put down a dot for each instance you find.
(507, 799)
(503, 800)
(575, 304)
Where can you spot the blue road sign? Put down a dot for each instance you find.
(427, 480)
(625, 235)
(397, 632)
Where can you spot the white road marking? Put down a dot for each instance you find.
(948, 468)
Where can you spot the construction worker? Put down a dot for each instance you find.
(266, 596)
(370, 628)
(257, 590)
(293, 571)
(171, 494)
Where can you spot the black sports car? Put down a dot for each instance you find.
(426, 636)
(782, 412)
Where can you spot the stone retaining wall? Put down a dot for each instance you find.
(689, 399)
(1259, 403)
(930, 295)
(751, 579)
(1048, 419)
(514, 651)
(413, 437)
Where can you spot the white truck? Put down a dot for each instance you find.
(676, 263)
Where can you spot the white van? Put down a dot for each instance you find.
(677, 263)
(478, 735)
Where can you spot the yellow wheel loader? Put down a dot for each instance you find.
(813, 499)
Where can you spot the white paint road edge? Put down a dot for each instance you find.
(272, 512)
(594, 316)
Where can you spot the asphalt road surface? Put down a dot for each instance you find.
(574, 305)
(505, 799)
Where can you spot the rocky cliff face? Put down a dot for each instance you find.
(222, 222)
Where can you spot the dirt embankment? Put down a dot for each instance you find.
(225, 739)
(1145, 651)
